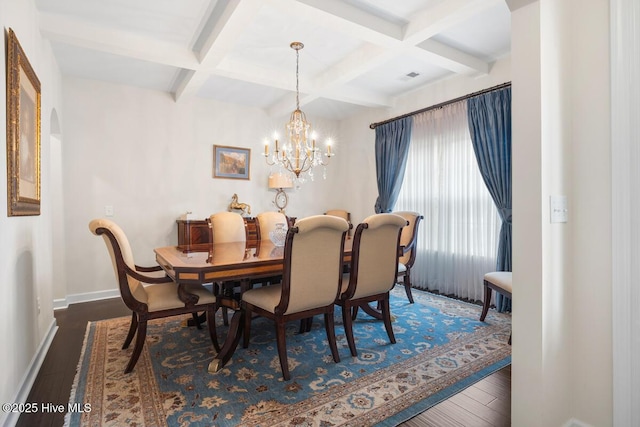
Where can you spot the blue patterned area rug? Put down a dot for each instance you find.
(441, 349)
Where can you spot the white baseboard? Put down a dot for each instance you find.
(63, 303)
(30, 375)
(84, 297)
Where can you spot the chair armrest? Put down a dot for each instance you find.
(147, 279)
(408, 247)
(148, 269)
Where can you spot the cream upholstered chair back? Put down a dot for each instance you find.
(228, 227)
(135, 287)
(375, 254)
(266, 222)
(409, 233)
(313, 263)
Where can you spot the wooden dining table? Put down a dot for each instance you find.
(221, 262)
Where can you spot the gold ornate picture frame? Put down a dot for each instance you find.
(23, 132)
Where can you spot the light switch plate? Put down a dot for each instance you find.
(108, 210)
(559, 211)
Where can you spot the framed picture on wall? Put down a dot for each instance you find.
(23, 132)
(231, 162)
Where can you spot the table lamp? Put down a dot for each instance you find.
(279, 181)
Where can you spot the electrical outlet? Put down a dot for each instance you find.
(38, 302)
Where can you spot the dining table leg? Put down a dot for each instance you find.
(236, 327)
(376, 314)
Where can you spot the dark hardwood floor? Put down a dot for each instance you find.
(486, 403)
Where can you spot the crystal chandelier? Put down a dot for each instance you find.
(297, 155)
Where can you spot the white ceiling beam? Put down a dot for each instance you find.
(358, 96)
(358, 62)
(234, 16)
(255, 73)
(350, 20)
(79, 33)
(449, 58)
(340, 93)
(434, 20)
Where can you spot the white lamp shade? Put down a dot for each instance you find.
(280, 180)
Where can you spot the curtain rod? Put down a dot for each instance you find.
(442, 104)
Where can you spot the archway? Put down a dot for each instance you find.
(57, 212)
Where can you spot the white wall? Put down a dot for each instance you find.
(562, 272)
(26, 251)
(527, 257)
(590, 169)
(151, 158)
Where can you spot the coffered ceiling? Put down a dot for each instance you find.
(357, 54)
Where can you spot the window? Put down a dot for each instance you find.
(458, 238)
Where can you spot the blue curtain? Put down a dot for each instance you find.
(489, 117)
(392, 148)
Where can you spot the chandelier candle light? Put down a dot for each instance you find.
(297, 155)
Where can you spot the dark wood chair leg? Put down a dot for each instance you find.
(331, 335)
(137, 350)
(132, 330)
(407, 286)
(282, 350)
(347, 320)
(487, 302)
(386, 315)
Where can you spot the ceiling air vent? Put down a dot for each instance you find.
(409, 76)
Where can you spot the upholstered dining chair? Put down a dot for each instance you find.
(409, 243)
(373, 272)
(150, 295)
(313, 257)
(227, 227)
(341, 213)
(499, 281)
(266, 222)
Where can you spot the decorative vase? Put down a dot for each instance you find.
(278, 234)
